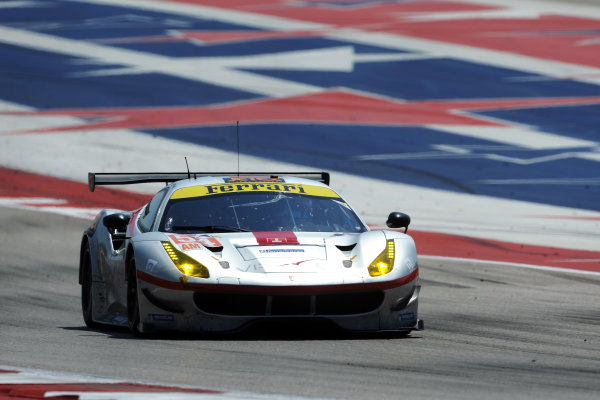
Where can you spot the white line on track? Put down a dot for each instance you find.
(509, 13)
(516, 265)
(518, 135)
(569, 7)
(254, 20)
(209, 70)
(21, 3)
(543, 181)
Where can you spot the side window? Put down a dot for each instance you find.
(149, 213)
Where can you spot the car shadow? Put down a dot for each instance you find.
(272, 330)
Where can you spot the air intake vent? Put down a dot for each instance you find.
(241, 304)
(216, 249)
(346, 248)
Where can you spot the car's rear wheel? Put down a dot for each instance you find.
(87, 291)
(133, 306)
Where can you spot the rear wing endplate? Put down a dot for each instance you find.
(126, 178)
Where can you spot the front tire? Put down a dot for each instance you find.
(87, 290)
(133, 306)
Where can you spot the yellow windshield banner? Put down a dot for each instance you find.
(222, 188)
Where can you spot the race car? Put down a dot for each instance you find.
(213, 252)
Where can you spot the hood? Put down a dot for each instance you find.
(269, 252)
(304, 258)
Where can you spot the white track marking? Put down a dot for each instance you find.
(20, 4)
(494, 58)
(174, 396)
(77, 212)
(254, 20)
(4, 201)
(28, 375)
(508, 13)
(542, 181)
(206, 70)
(516, 265)
(339, 59)
(568, 7)
(521, 136)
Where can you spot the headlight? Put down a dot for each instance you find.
(186, 264)
(384, 263)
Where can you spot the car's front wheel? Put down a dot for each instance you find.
(133, 307)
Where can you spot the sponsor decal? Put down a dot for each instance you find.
(281, 251)
(299, 262)
(151, 264)
(410, 264)
(235, 179)
(209, 241)
(275, 238)
(407, 317)
(162, 317)
(191, 246)
(208, 190)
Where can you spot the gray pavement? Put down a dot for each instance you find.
(493, 332)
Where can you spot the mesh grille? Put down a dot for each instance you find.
(235, 304)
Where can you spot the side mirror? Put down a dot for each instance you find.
(398, 220)
(116, 222)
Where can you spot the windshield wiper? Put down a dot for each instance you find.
(208, 228)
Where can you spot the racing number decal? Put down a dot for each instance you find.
(186, 242)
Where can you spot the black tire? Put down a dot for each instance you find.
(87, 293)
(133, 307)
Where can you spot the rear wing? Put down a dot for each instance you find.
(127, 178)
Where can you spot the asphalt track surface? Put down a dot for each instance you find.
(492, 331)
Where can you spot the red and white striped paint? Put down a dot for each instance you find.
(19, 189)
(469, 248)
(46, 194)
(33, 384)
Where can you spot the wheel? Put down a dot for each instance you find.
(87, 293)
(133, 307)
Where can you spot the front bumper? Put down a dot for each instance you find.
(372, 307)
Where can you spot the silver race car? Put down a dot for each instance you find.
(214, 252)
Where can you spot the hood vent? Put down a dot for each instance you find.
(216, 249)
(346, 248)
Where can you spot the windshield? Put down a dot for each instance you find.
(259, 212)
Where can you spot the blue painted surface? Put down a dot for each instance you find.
(51, 81)
(337, 147)
(436, 78)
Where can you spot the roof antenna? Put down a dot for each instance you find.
(237, 131)
(188, 168)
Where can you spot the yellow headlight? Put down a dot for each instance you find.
(186, 264)
(384, 263)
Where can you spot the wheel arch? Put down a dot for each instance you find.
(129, 255)
(85, 240)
